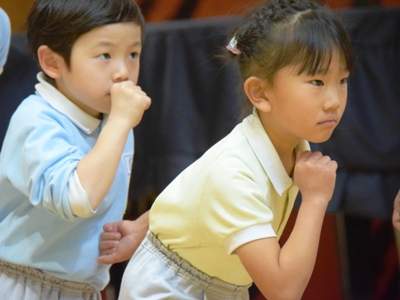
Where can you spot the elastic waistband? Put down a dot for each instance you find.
(33, 275)
(185, 269)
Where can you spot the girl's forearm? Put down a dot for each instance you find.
(297, 256)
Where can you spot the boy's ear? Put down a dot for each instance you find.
(49, 61)
(254, 88)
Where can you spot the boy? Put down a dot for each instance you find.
(66, 159)
(5, 32)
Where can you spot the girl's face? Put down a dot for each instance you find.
(306, 107)
(100, 58)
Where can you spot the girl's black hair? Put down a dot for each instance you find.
(279, 33)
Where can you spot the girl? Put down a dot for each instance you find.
(214, 230)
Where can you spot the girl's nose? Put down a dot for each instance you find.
(333, 100)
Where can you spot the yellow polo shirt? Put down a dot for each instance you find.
(237, 192)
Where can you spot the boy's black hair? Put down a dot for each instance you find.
(59, 23)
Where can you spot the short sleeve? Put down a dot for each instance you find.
(247, 235)
(235, 197)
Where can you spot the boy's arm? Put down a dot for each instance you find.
(96, 171)
(396, 212)
(120, 240)
(283, 273)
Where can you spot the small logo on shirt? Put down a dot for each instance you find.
(128, 160)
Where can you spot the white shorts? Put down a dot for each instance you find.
(155, 273)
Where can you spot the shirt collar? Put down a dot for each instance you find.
(266, 152)
(58, 101)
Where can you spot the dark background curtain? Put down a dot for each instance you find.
(195, 103)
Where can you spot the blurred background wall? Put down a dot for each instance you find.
(372, 279)
(162, 10)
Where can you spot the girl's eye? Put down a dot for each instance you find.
(105, 56)
(317, 82)
(134, 55)
(344, 81)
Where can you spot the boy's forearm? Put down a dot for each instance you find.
(96, 171)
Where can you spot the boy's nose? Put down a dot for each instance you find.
(120, 72)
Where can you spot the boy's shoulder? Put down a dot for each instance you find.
(32, 105)
(33, 109)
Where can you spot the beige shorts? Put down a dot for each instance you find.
(26, 283)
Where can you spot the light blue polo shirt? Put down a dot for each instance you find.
(5, 36)
(48, 135)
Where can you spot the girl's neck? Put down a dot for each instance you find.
(284, 143)
(289, 162)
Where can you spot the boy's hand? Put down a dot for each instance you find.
(315, 175)
(396, 212)
(128, 101)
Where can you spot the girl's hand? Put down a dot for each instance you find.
(315, 175)
(118, 242)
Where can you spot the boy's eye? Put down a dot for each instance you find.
(343, 81)
(317, 82)
(105, 56)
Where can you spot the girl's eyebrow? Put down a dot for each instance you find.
(322, 71)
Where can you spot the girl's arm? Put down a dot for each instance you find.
(120, 240)
(283, 273)
(396, 212)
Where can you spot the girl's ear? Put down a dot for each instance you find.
(49, 61)
(254, 88)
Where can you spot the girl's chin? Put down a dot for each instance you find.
(319, 140)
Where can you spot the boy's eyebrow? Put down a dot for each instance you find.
(106, 44)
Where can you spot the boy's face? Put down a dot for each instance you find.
(100, 58)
